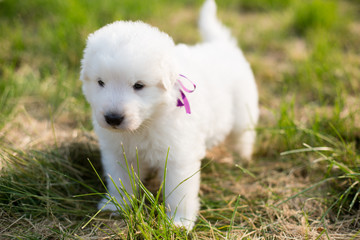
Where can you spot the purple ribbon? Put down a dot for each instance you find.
(184, 101)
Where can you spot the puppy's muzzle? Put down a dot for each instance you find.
(114, 119)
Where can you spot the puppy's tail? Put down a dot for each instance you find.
(211, 29)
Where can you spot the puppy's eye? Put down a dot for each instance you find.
(138, 86)
(101, 83)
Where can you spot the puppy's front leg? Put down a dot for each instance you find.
(182, 185)
(115, 169)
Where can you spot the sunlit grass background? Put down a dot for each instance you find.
(303, 182)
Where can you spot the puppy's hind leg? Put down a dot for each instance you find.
(244, 129)
(244, 143)
(244, 132)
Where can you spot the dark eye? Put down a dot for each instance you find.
(101, 83)
(138, 86)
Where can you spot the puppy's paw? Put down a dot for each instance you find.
(181, 222)
(106, 205)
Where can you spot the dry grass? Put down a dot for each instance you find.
(257, 216)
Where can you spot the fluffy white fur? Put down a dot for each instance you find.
(225, 102)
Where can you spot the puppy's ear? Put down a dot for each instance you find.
(83, 75)
(169, 73)
(167, 82)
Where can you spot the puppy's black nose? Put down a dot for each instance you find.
(114, 119)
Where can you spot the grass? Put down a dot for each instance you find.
(303, 182)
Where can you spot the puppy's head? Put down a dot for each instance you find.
(127, 73)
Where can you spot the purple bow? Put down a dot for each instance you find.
(184, 101)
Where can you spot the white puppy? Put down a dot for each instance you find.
(133, 77)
